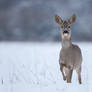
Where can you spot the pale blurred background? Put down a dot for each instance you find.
(30, 45)
(33, 20)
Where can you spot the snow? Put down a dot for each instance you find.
(34, 67)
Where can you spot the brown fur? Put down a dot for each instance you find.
(70, 57)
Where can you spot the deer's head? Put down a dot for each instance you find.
(65, 26)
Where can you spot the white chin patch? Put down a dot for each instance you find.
(65, 34)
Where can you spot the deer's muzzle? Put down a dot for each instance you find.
(65, 32)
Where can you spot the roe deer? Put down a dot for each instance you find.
(70, 57)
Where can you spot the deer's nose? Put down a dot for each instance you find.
(65, 32)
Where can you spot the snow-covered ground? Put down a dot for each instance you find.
(34, 67)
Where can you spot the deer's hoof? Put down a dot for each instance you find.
(68, 81)
(64, 78)
(80, 82)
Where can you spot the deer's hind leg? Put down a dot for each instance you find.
(62, 70)
(79, 74)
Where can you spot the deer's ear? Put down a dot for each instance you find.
(58, 20)
(72, 19)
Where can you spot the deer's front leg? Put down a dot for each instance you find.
(61, 68)
(69, 75)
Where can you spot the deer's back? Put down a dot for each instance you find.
(71, 56)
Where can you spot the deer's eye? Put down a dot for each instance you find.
(68, 26)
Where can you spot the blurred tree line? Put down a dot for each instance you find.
(33, 20)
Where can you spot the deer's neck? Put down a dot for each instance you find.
(66, 43)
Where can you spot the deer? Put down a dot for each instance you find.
(70, 57)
